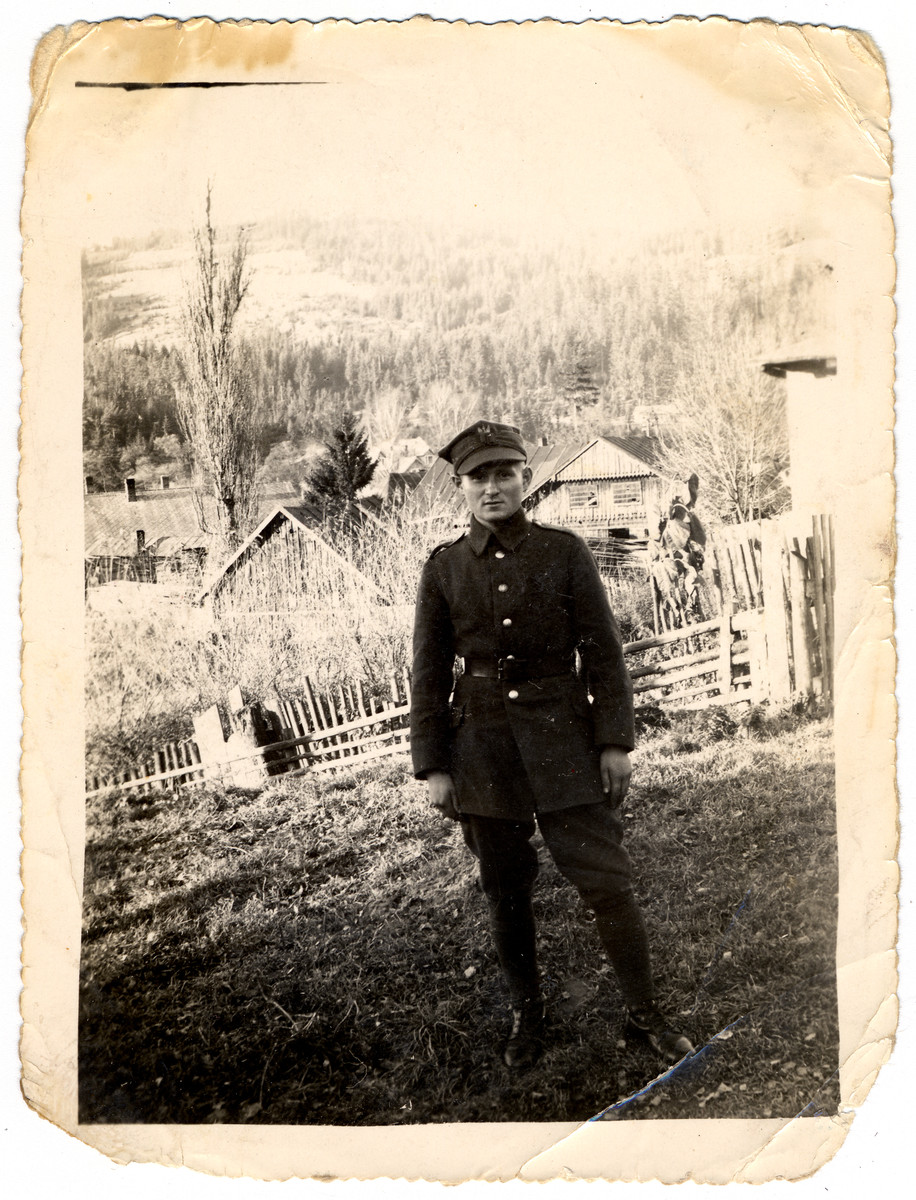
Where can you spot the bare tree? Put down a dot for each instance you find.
(214, 402)
(729, 427)
(444, 410)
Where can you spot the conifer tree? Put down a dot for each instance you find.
(343, 470)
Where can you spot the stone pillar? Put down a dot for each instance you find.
(230, 746)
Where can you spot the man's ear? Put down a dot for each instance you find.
(526, 478)
(456, 480)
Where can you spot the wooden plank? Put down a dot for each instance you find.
(801, 651)
(807, 619)
(673, 664)
(725, 653)
(753, 548)
(669, 680)
(730, 586)
(742, 584)
(774, 612)
(380, 752)
(665, 639)
(824, 524)
(816, 574)
(290, 717)
(311, 700)
(744, 555)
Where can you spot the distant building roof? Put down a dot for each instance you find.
(168, 519)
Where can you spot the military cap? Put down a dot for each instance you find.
(483, 442)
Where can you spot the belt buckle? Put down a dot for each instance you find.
(509, 668)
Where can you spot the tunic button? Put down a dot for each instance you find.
(503, 587)
(508, 621)
(513, 695)
(500, 554)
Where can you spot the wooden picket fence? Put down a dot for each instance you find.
(317, 731)
(174, 764)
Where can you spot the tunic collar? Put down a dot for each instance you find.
(511, 535)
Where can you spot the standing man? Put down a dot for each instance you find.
(527, 734)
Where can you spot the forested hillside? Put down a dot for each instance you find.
(417, 327)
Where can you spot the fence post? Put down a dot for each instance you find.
(774, 611)
(725, 651)
(801, 643)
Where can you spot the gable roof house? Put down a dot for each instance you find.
(606, 487)
(609, 487)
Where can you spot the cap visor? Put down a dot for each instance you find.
(490, 454)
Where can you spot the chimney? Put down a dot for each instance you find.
(141, 541)
(543, 441)
(89, 484)
(130, 490)
(164, 481)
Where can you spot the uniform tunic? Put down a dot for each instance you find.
(530, 593)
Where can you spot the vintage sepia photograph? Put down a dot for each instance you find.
(475, 536)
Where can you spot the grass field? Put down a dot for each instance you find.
(316, 952)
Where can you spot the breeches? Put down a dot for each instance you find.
(585, 842)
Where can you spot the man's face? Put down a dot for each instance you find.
(494, 490)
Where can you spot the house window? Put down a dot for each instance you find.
(627, 494)
(583, 495)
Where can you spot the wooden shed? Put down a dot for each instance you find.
(151, 536)
(286, 566)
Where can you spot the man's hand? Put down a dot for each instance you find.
(615, 773)
(442, 793)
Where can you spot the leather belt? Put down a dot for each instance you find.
(517, 669)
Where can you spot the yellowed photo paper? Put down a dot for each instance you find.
(458, 522)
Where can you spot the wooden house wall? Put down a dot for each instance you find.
(601, 505)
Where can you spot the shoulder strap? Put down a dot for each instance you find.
(445, 545)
